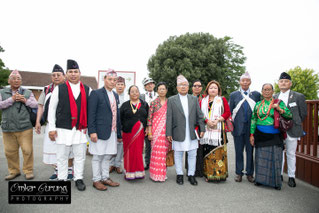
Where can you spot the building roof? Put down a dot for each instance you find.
(40, 79)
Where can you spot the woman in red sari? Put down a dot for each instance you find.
(133, 119)
(156, 134)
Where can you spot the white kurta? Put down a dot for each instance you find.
(65, 136)
(188, 144)
(109, 146)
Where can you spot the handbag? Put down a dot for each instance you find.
(229, 126)
(280, 122)
(170, 158)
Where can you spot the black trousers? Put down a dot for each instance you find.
(147, 156)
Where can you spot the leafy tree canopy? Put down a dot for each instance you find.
(198, 56)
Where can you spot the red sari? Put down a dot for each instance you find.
(159, 145)
(133, 143)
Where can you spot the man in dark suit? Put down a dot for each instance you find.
(297, 105)
(183, 114)
(104, 129)
(241, 105)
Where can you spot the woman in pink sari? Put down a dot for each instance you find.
(156, 134)
(133, 120)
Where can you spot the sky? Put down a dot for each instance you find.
(276, 35)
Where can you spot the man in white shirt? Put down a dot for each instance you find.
(183, 114)
(67, 119)
(296, 103)
(149, 96)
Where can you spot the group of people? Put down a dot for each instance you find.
(117, 125)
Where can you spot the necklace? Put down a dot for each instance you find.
(263, 109)
(136, 108)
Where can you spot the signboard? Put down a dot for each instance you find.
(129, 76)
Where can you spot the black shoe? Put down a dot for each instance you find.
(192, 180)
(80, 185)
(282, 178)
(278, 187)
(180, 179)
(257, 184)
(146, 167)
(291, 182)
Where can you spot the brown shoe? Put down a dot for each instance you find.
(118, 170)
(99, 186)
(238, 178)
(110, 182)
(12, 176)
(250, 178)
(29, 176)
(112, 168)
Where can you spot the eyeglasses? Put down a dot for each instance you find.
(197, 86)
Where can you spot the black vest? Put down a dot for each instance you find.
(46, 105)
(63, 111)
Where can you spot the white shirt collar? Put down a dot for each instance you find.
(286, 93)
(242, 91)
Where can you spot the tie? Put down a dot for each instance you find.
(246, 109)
(150, 95)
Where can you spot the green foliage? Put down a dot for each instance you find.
(198, 56)
(4, 72)
(303, 81)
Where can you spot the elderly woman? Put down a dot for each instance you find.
(267, 140)
(156, 134)
(216, 110)
(133, 119)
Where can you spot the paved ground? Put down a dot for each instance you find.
(148, 196)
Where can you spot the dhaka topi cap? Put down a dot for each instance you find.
(245, 76)
(14, 73)
(110, 72)
(181, 79)
(58, 68)
(71, 64)
(120, 80)
(284, 75)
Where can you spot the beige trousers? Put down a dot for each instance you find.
(12, 141)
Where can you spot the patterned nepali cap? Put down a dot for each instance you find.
(120, 80)
(147, 81)
(14, 72)
(245, 76)
(110, 72)
(181, 79)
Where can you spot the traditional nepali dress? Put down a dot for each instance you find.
(214, 140)
(160, 146)
(268, 143)
(133, 127)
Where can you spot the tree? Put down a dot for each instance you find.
(4, 72)
(303, 81)
(198, 56)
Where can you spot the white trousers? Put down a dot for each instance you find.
(291, 146)
(117, 159)
(100, 167)
(178, 157)
(79, 152)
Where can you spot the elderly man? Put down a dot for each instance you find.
(49, 147)
(241, 105)
(116, 161)
(183, 114)
(68, 123)
(104, 129)
(148, 97)
(296, 103)
(16, 126)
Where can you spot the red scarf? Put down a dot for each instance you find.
(74, 108)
